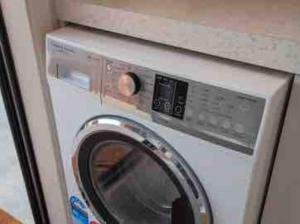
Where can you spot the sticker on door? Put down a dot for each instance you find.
(78, 211)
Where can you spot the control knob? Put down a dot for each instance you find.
(128, 84)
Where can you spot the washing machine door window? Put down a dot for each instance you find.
(129, 176)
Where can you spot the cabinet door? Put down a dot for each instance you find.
(283, 198)
(21, 198)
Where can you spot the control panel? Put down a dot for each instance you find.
(222, 116)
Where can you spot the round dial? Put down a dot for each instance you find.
(128, 84)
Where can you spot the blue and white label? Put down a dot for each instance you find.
(78, 211)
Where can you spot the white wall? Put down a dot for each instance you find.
(27, 22)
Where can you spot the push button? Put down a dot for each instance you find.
(178, 109)
(213, 120)
(167, 107)
(189, 115)
(226, 124)
(156, 103)
(239, 128)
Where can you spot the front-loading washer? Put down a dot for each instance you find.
(152, 134)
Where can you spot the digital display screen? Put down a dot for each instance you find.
(169, 96)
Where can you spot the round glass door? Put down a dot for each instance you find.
(133, 185)
(126, 182)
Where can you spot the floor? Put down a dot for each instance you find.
(13, 196)
(6, 218)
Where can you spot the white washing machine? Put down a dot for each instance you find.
(155, 135)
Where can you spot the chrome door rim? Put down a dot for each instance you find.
(168, 155)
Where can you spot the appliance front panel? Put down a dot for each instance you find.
(223, 125)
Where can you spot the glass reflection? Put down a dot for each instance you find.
(135, 188)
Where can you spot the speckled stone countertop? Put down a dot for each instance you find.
(264, 33)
